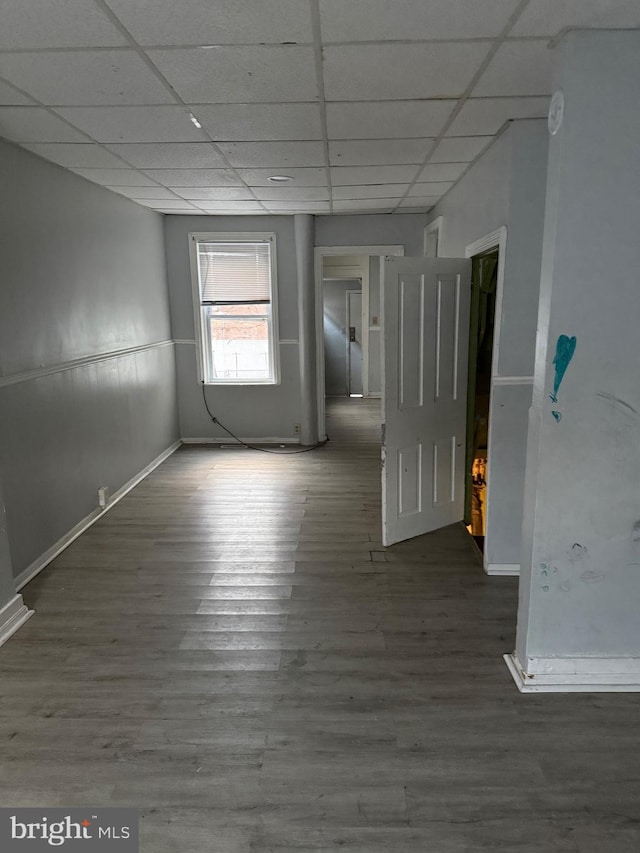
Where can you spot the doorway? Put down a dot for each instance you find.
(484, 288)
(342, 323)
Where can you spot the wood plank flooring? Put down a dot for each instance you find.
(232, 651)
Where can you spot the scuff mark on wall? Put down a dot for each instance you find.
(616, 401)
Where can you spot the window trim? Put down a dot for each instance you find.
(274, 340)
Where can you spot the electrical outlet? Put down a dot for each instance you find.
(296, 429)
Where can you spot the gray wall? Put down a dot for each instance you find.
(506, 187)
(406, 229)
(83, 276)
(7, 585)
(375, 332)
(251, 411)
(334, 299)
(581, 573)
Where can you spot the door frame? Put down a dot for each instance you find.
(320, 252)
(493, 240)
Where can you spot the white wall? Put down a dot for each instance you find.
(581, 577)
(83, 278)
(506, 187)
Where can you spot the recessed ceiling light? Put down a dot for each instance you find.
(194, 120)
(279, 179)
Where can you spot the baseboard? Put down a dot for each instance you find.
(269, 439)
(58, 547)
(12, 616)
(575, 675)
(511, 570)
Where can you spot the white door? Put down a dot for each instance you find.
(426, 319)
(354, 341)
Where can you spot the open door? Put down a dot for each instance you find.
(426, 318)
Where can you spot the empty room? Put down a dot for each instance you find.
(319, 426)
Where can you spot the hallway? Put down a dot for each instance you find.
(231, 650)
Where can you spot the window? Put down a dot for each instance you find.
(233, 279)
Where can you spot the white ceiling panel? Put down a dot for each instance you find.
(170, 155)
(291, 193)
(487, 115)
(278, 154)
(378, 152)
(298, 207)
(371, 72)
(420, 201)
(549, 17)
(344, 176)
(369, 204)
(85, 78)
(227, 75)
(442, 172)
(10, 97)
(116, 177)
(89, 156)
(387, 120)
(301, 177)
(518, 68)
(133, 124)
(235, 206)
(459, 149)
(261, 122)
(372, 20)
(157, 193)
(167, 204)
(201, 22)
(435, 188)
(193, 177)
(371, 191)
(31, 24)
(35, 124)
(212, 194)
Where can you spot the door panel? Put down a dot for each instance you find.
(426, 316)
(354, 340)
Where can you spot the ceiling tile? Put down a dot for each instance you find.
(459, 149)
(420, 201)
(90, 156)
(378, 152)
(167, 204)
(487, 115)
(84, 78)
(169, 155)
(116, 177)
(302, 177)
(199, 22)
(372, 72)
(134, 124)
(35, 124)
(435, 188)
(298, 207)
(388, 120)
(10, 97)
(442, 172)
(144, 192)
(549, 17)
(518, 68)
(370, 20)
(226, 75)
(291, 193)
(280, 155)
(231, 206)
(63, 23)
(260, 122)
(193, 177)
(368, 204)
(343, 176)
(371, 191)
(213, 193)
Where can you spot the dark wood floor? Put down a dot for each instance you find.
(232, 651)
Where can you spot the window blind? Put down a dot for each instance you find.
(234, 273)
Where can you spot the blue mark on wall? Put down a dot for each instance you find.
(565, 348)
(557, 416)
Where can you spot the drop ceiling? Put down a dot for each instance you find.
(368, 105)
